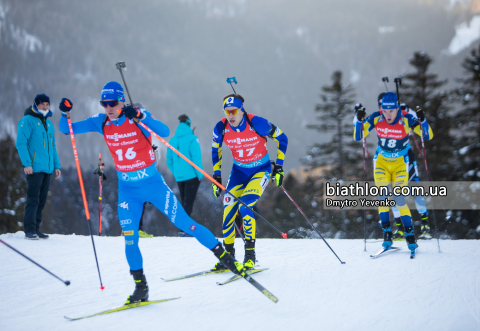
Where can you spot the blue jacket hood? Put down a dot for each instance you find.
(33, 111)
(183, 129)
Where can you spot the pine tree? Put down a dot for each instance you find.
(422, 88)
(468, 154)
(12, 187)
(468, 118)
(339, 157)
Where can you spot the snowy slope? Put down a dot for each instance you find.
(436, 291)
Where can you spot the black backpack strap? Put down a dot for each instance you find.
(251, 125)
(224, 127)
(104, 122)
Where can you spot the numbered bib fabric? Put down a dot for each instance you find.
(392, 138)
(246, 146)
(129, 148)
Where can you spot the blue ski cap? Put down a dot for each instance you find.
(390, 101)
(113, 91)
(233, 102)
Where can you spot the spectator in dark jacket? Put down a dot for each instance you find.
(186, 176)
(38, 153)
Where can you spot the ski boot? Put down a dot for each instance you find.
(387, 235)
(143, 234)
(231, 250)
(410, 238)
(141, 288)
(249, 259)
(399, 233)
(425, 229)
(228, 260)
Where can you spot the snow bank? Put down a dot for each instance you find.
(436, 291)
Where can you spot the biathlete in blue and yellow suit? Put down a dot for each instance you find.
(246, 136)
(138, 179)
(391, 158)
(413, 178)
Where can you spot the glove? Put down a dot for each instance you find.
(420, 114)
(133, 112)
(65, 105)
(360, 111)
(217, 190)
(277, 174)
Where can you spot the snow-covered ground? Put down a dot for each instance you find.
(435, 291)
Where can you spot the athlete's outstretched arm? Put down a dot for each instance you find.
(91, 124)
(217, 148)
(414, 122)
(368, 125)
(155, 125)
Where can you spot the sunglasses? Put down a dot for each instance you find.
(231, 112)
(111, 103)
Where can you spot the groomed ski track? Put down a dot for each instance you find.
(435, 291)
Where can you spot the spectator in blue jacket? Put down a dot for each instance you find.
(186, 176)
(38, 153)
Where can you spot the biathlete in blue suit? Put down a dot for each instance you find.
(420, 203)
(246, 136)
(138, 179)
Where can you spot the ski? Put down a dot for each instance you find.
(381, 240)
(201, 273)
(412, 253)
(391, 248)
(124, 307)
(235, 277)
(259, 287)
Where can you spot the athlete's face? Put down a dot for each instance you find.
(234, 119)
(390, 114)
(112, 107)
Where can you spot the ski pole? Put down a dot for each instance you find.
(398, 82)
(99, 171)
(364, 182)
(80, 179)
(305, 216)
(121, 65)
(429, 177)
(66, 282)
(239, 231)
(385, 81)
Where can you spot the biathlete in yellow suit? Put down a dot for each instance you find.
(246, 136)
(391, 159)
